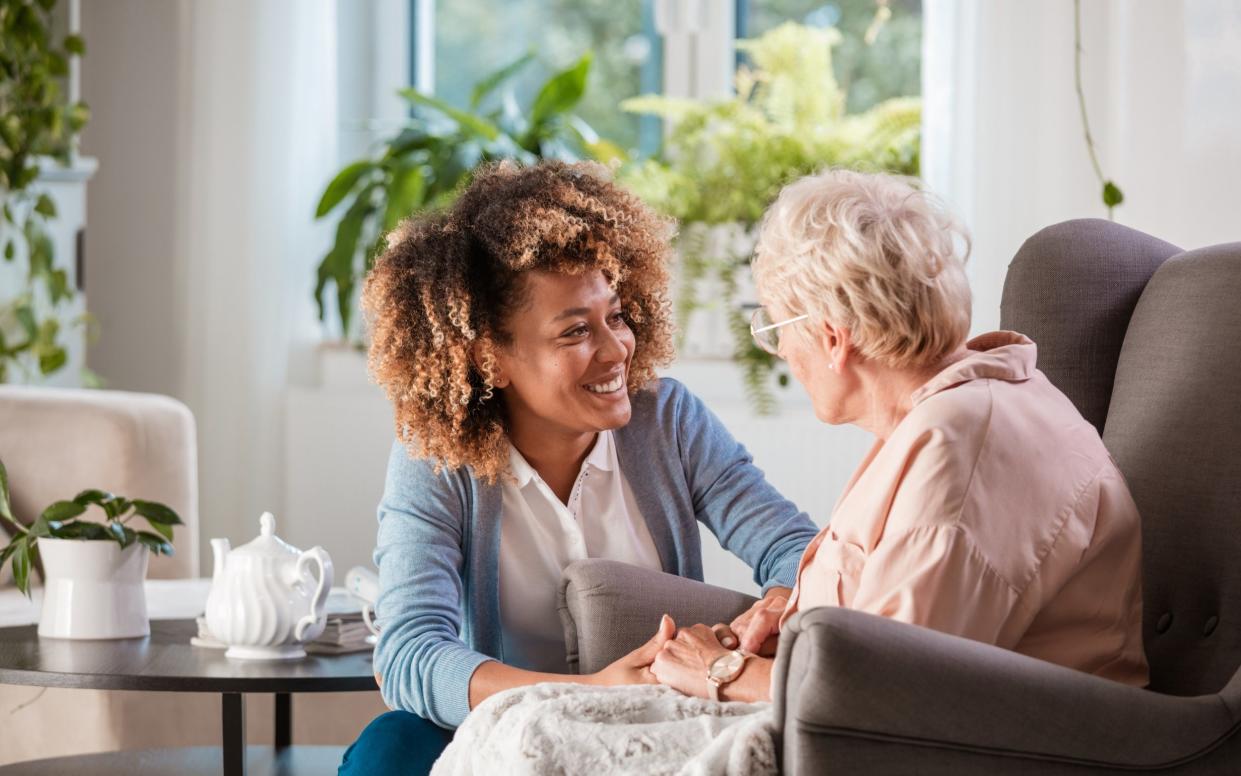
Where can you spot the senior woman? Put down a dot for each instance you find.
(517, 335)
(987, 507)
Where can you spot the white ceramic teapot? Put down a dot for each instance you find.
(264, 602)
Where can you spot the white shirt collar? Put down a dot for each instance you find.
(602, 457)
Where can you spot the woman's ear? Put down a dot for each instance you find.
(837, 346)
(478, 353)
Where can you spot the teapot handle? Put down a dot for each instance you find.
(318, 607)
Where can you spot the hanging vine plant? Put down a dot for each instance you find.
(36, 124)
(1112, 195)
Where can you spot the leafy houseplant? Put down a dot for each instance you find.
(36, 124)
(61, 521)
(424, 165)
(725, 161)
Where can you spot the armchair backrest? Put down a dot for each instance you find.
(1174, 428)
(56, 442)
(1072, 288)
(1143, 339)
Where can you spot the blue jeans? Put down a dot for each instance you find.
(395, 743)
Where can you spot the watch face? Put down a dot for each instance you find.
(725, 667)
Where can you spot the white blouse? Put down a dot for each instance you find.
(540, 536)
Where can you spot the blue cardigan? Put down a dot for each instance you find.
(439, 543)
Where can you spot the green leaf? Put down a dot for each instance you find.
(79, 529)
(409, 140)
(490, 82)
(21, 566)
(560, 94)
(163, 530)
(96, 497)
(45, 206)
(52, 359)
(338, 265)
(8, 551)
(41, 527)
(62, 511)
(405, 194)
(57, 65)
(116, 507)
(40, 251)
(25, 317)
(5, 510)
(155, 543)
(122, 534)
(75, 45)
(473, 124)
(79, 116)
(1112, 195)
(341, 185)
(156, 513)
(58, 286)
(9, 250)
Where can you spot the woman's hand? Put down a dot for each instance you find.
(758, 629)
(682, 662)
(634, 668)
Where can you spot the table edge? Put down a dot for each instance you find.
(199, 684)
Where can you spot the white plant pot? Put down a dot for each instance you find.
(93, 590)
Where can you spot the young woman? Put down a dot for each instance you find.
(517, 335)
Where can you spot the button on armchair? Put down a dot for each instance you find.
(1146, 341)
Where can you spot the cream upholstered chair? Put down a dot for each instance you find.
(56, 442)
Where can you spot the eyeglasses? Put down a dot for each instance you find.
(766, 332)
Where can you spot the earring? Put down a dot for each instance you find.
(831, 366)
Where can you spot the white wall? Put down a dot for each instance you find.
(1004, 140)
(133, 77)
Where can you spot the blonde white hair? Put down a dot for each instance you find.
(871, 253)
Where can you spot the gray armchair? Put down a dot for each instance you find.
(1143, 338)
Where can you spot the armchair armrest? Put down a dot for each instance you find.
(609, 608)
(847, 682)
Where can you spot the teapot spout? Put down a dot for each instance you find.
(219, 549)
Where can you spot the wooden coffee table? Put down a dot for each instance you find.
(165, 662)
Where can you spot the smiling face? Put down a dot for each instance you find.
(565, 370)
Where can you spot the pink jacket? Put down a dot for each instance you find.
(995, 513)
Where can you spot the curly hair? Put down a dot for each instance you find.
(438, 298)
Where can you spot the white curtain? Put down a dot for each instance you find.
(1003, 141)
(263, 142)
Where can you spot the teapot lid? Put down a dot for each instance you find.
(267, 545)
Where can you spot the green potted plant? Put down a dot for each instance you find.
(93, 571)
(38, 128)
(424, 164)
(725, 160)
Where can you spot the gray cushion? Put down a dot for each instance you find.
(609, 609)
(1071, 288)
(1174, 427)
(843, 675)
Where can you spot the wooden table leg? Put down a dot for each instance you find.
(284, 720)
(234, 734)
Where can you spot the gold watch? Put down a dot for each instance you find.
(724, 669)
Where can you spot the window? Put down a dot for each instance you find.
(880, 52)
(476, 38)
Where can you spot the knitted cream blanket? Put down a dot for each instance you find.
(648, 730)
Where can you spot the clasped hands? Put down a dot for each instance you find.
(680, 657)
